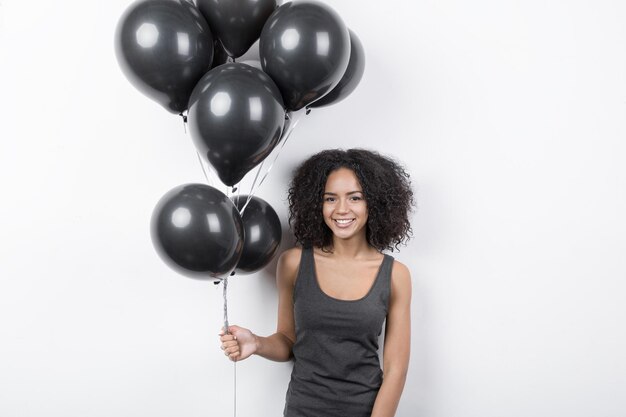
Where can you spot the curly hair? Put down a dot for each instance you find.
(386, 188)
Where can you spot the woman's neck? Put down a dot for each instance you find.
(351, 248)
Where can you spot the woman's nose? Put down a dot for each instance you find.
(342, 207)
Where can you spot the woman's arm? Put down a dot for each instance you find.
(241, 343)
(397, 346)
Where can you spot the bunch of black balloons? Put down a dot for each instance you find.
(182, 55)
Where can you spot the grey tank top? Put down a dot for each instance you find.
(336, 370)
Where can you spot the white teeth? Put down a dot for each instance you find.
(343, 221)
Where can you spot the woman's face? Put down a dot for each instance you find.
(344, 208)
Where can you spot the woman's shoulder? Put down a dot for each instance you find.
(289, 262)
(399, 267)
(400, 274)
(291, 256)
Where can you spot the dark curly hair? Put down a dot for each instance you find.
(386, 188)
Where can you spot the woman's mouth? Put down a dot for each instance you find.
(343, 222)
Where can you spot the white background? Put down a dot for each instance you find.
(510, 116)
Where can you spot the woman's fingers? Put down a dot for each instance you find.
(230, 344)
(228, 338)
(230, 349)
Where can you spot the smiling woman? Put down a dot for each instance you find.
(344, 208)
(337, 288)
(384, 185)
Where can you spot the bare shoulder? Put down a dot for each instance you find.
(290, 259)
(400, 277)
(288, 264)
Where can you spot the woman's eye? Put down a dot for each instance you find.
(329, 199)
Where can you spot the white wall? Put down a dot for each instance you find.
(511, 116)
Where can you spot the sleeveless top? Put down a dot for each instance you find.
(336, 370)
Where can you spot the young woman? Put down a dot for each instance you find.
(337, 289)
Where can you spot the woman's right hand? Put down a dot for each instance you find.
(239, 343)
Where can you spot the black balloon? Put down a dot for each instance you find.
(262, 234)
(164, 47)
(236, 118)
(305, 48)
(350, 79)
(236, 23)
(198, 231)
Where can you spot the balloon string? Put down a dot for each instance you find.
(256, 177)
(293, 120)
(203, 170)
(225, 282)
(209, 176)
(226, 331)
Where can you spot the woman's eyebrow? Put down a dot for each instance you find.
(348, 193)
